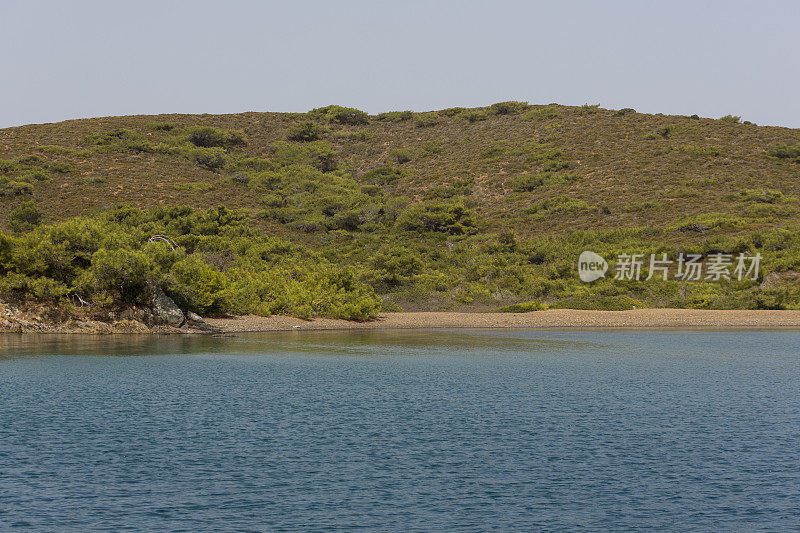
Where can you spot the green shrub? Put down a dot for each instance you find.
(340, 115)
(426, 120)
(455, 188)
(625, 111)
(766, 196)
(256, 164)
(508, 108)
(210, 158)
(47, 289)
(119, 140)
(664, 132)
(10, 187)
(319, 154)
(730, 118)
(473, 116)
(25, 217)
(396, 265)
(161, 126)
(525, 307)
(526, 182)
(396, 116)
(451, 217)
(7, 166)
(558, 204)
(60, 168)
(123, 274)
(543, 112)
(196, 285)
(384, 175)
(700, 150)
(209, 137)
(451, 111)
(431, 147)
(322, 156)
(35, 175)
(708, 221)
(786, 151)
(400, 155)
(305, 132)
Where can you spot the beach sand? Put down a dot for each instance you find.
(552, 318)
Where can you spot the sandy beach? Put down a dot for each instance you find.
(552, 318)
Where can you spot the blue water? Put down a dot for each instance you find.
(402, 431)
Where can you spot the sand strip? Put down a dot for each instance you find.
(552, 318)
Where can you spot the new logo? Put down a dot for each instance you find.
(591, 266)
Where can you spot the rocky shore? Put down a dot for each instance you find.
(25, 315)
(162, 316)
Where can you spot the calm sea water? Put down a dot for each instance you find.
(402, 431)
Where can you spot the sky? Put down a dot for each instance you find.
(62, 60)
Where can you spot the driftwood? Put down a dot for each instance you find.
(162, 238)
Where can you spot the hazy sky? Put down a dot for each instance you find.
(61, 60)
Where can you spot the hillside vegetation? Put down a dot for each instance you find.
(337, 213)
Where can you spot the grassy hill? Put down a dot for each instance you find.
(334, 212)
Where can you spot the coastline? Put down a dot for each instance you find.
(551, 318)
(547, 319)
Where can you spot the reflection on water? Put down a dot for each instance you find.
(401, 430)
(315, 342)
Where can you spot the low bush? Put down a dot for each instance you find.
(7, 166)
(340, 115)
(508, 108)
(209, 137)
(426, 120)
(321, 155)
(25, 217)
(396, 116)
(384, 175)
(161, 126)
(10, 187)
(702, 150)
(451, 111)
(558, 204)
(305, 132)
(120, 140)
(400, 155)
(451, 217)
(35, 175)
(786, 151)
(210, 158)
(766, 196)
(473, 116)
(396, 265)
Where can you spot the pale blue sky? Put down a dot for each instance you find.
(63, 60)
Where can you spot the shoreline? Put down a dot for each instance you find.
(417, 320)
(551, 318)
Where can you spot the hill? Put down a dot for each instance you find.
(337, 213)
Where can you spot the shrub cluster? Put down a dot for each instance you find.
(786, 151)
(508, 108)
(396, 116)
(113, 259)
(306, 132)
(340, 115)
